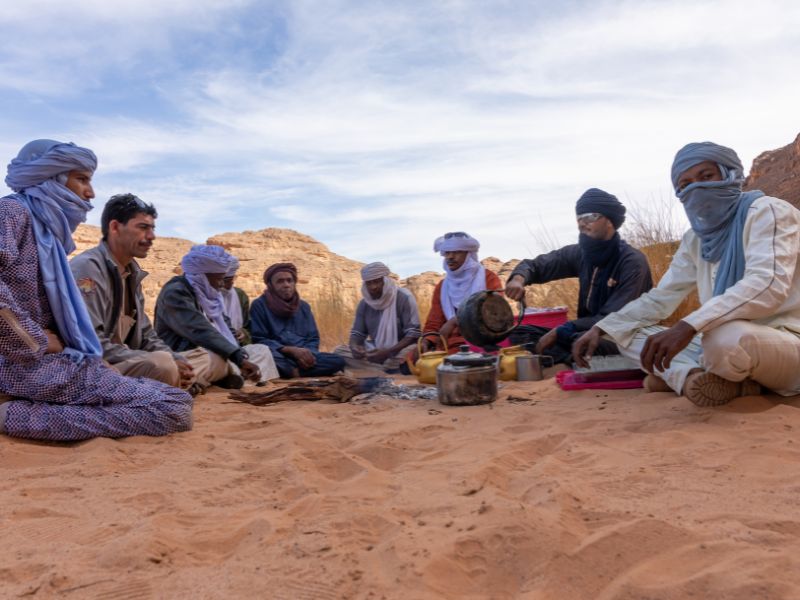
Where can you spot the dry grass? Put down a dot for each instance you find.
(333, 315)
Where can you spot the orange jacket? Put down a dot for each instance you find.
(436, 318)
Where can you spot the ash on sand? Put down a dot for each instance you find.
(399, 391)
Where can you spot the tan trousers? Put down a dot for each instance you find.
(734, 351)
(259, 354)
(157, 365)
(161, 366)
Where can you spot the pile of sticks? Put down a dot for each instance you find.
(332, 389)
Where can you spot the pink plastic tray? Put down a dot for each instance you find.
(566, 380)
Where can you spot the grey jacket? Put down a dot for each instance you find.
(101, 287)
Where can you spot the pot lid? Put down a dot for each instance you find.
(465, 358)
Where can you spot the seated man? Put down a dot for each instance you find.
(610, 272)
(386, 325)
(51, 362)
(189, 314)
(110, 280)
(464, 276)
(236, 305)
(741, 255)
(281, 320)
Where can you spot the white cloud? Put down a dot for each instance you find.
(376, 127)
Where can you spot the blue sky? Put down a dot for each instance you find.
(377, 126)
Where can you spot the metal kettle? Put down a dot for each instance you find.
(467, 378)
(485, 318)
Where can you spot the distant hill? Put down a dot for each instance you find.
(332, 283)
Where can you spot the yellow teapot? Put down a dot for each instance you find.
(425, 367)
(508, 361)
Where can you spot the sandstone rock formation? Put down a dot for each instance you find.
(332, 283)
(329, 282)
(777, 173)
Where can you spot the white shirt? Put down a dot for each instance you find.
(768, 293)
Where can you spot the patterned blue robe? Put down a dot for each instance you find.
(53, 397)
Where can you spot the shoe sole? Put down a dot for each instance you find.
(707, 389)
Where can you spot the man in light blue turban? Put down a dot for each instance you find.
(190, 314)
(53, 382)
(741, 256)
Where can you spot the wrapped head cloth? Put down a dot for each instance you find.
(457, 241)
(374, 270)
(277, 305)
(277, 268)
(38, 175)
(697, 152)
(717, 210)
(468, 279)
(202, 259)
(197, 263)
(595, 200)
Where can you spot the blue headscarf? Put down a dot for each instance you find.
(717, 210)
(37, 175)
(199, 261)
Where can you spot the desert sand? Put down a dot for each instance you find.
(552, 494)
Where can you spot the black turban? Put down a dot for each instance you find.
(594, 200)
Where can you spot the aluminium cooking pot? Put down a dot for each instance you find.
(467, 378)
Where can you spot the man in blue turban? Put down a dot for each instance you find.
(741, 256)
(54, 384)
(190, 315)
(610, 272)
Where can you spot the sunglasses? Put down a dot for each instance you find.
(588, 217)
(455, 234)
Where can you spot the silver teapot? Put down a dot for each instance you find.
(467, 378)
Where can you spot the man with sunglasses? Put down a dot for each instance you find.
(610, 272)
(741, 255)
(110, 281)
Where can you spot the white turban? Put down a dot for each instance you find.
(468, 278)
(374, 270)
(457, 241)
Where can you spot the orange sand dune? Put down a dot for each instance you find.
(555, 495)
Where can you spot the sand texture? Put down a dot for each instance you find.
(550, 495)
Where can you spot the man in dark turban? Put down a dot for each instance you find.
(610, 272)
(741, 256)
(281, 320)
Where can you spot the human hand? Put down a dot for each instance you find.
(250, 371)
(379, 356)
(547, 340)
(515, 288)
(660, 348)
(358, 352)
(584, 346)
(185, 372)
(304, 357)
(54, 343)
(447, 329)
(426, 345)
(240, 335)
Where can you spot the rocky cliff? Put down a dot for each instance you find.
(331, 283)
(777, 173)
